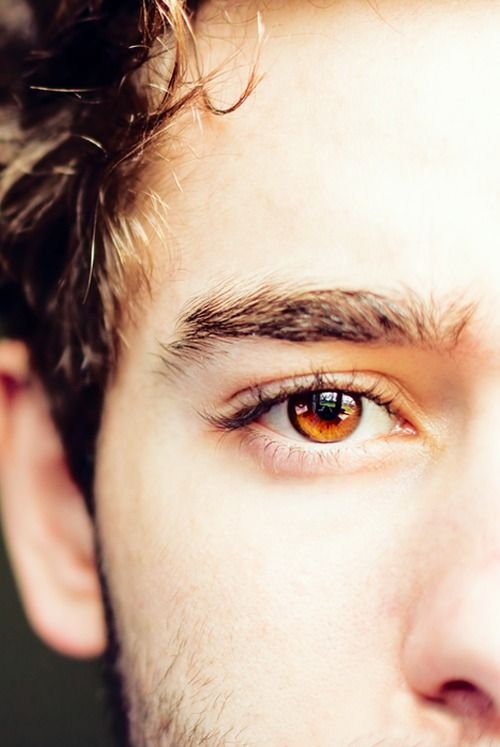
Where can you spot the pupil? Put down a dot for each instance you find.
(325, 417)
(327, 405)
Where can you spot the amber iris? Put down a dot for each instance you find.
(325, 417)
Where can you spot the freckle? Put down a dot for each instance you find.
(263, 630)
(390, 610)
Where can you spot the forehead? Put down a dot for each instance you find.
(367, 156)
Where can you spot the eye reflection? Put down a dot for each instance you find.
(325, 417)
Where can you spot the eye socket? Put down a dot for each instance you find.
(325, 417)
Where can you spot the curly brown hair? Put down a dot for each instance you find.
(77, 118)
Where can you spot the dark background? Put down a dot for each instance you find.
(45, 700)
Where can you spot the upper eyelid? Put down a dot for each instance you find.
(312, 381)
(264, 397)
(322, 380)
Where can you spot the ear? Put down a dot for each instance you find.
(48, 532)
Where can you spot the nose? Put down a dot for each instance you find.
(451, 655)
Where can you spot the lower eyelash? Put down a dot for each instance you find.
(296, 461)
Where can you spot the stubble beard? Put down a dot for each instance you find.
(158, 719)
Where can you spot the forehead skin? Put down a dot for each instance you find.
(266, 608)
(368, 132)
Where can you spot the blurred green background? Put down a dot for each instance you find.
(45, 700)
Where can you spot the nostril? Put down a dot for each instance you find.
(465, 699)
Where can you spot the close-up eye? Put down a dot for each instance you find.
(330, 416)
(332, 422)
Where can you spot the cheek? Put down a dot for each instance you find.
(283, 595)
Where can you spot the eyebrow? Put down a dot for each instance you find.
(281, 312)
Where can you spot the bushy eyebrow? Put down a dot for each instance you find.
(282, 312)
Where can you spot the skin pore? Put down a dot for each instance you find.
(268, 590)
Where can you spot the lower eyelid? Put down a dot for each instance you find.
(280, 458)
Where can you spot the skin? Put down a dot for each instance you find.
(351, 600)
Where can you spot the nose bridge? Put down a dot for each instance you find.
(471, 480)
(452, 648)
(463, 606)
(451, 653)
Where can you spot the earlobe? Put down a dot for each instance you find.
(48, 532)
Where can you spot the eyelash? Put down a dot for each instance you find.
(264, 403)
(311, 458)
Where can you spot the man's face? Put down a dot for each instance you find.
(299, 501)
